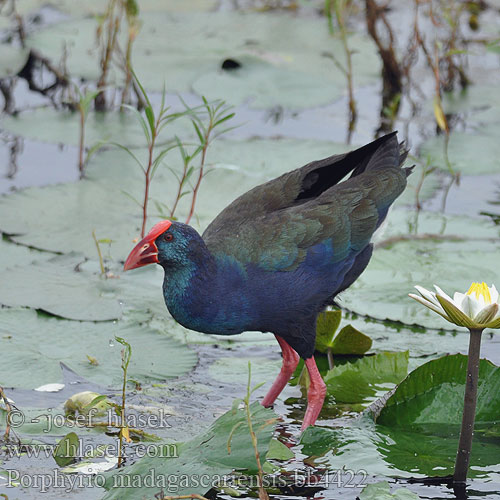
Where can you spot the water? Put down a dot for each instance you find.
(26, 163)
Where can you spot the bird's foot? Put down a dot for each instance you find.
(315, 395)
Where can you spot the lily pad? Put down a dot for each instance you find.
(434, 394)
(382, 491)
(363, 379)
(206, 456)
(63, 127)
(429, 404)
(55, 287)
(479, 102)
(348, 341)
(326, 326)
(12, 61)
(13, 254)
(96, 7)
(40, 343)
(199, 43)
(235, 370)
(472, 154)
(67, 450)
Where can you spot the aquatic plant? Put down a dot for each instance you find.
(477, 309)
(342, 11)
(205, 120)
(152, 123)
(126, 354)
(107, 32)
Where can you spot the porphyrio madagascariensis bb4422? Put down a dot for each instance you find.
(279, 254)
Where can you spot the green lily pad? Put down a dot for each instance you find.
(427, 187)
(205, 456)
(13, 254)
(199, 43)
(422, 417)
(279, 451)
(479, 102)
(434, 393)
(382, 491)
(362, 380)
(63, 127)
(326, 326)
(348, 341)
(13, 60)
(471, 154)
(40, 343)
(66, 450)
(55, 287)
(96, 7)
(235, 370)
(32, 423)
(410, 224)
(280, 78)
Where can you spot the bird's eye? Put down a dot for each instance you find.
(168, 237)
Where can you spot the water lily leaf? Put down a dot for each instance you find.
(382, 491)
(63, 127)
(425, 188)
(13, 59)
(58, 289)
(27, 339)
(279, 451)
(87, 402)
(316, 441)
(13, 254)
(95, 7)
(434, 392)
(478, 102)
(67, 450)
(204, 456)
(326, 326)
(472, 154)
(360, 380)
(351, 341)
(278, 79)
(199, 42)
(31, 423)
(235, 369)
(421, 419)
(347, 341)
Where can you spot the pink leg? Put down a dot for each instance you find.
(290, 362)
(315, 394)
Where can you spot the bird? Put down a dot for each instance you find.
(279, 254)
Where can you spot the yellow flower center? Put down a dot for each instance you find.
(480, 289)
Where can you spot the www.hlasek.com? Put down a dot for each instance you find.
(17, 418)
(82, 450)
(172, 483)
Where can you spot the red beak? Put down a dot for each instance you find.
(146, 251)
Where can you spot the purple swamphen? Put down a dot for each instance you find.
(279, 254)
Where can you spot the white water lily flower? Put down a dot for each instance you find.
(476, 309)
